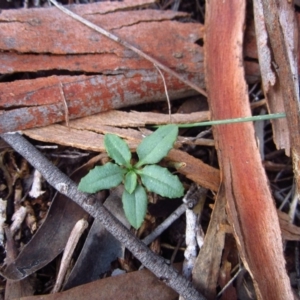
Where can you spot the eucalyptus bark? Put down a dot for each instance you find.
(250, 206)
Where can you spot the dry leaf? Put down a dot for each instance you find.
(207, 267)
(134, 286)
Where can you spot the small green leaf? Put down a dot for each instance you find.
(135, 206)
(117, 149)
(101, 178)
(130, 181)
(160, 181)
(157, 145)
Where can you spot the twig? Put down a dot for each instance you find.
(18, 218)
(175, 5)
(163, 226)
(293, 207)
(188, 202)
(191, 199)
(190, 253)
(66, 186)
(65, 104)
(127, 45)
(75, 234)
(3, 205)
(241, 269)
(176, 250)
(166, 91)
(260, 134)
(36, 188)
(286, 198)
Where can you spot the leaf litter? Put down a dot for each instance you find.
(218, 261)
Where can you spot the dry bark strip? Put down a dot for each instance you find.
(207, 266)
(270, 84)
(85, 95)
(79, 137)
(158, 65)
(290, 232)
(286, 80)
(67, 187)
(141, 119)
(66, 44)
(250, 205)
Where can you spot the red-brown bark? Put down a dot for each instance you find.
(249, 201)
(45, 40)
(35, 103)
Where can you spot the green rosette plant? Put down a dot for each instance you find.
(144, 174)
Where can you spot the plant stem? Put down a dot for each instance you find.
(235, 120)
